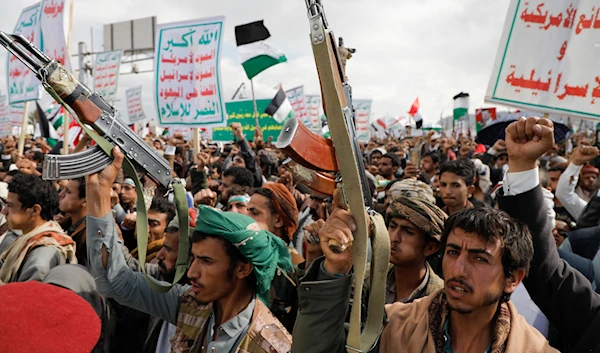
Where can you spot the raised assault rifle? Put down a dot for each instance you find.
(108, 131)
(92, 110)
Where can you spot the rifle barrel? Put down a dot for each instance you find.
(26, 52)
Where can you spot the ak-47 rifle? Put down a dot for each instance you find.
(108, 131)
(337, 100)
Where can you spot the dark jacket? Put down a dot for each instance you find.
(591, 214)
(563, 294)
(250, 160)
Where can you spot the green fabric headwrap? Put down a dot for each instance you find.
(265, 251)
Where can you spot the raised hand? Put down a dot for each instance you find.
(237, 130)
(583, 154)
(99, 186)
(527, 139)
(205, 197)
(202, 160)
(499, 145)
(339, 227)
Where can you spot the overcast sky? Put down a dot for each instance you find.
(431, 49)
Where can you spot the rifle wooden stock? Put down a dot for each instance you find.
(86, 110)
(337, 98)
(319, 182)
(307, 148)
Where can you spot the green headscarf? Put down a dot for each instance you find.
(265, 251)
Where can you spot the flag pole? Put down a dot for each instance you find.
(196, 141)
(66, 115)
(21, 146)
(254, 101)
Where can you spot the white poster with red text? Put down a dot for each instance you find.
(135, 111)
(106, 74)
(22, 83)
(55, 25)
(298, 102)
(187, 73)
(548, 58)
(5, 125)
(362, 115)
(313, 108)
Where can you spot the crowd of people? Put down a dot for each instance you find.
(493, 248)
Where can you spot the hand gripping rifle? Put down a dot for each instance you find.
(337, 99)
(107, 131)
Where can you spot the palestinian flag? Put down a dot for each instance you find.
(46, 129)
(415, 113)
(280, 107)
(255, 54)
(461, 105)
(56, 113)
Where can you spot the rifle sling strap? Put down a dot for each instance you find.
(337, 113)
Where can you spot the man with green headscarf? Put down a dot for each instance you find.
(232, 266)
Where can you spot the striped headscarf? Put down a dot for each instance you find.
(423, 213)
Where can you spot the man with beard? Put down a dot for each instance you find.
(588, 182)
(486, 255)
(232, 266)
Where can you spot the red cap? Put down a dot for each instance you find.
(589, 169)
(38, 317)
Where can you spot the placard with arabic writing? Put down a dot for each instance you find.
(313, 107)
(188, 81)
(243, 112)
(106, 74)
(362, 116)
(298, 102)
(135, 111)
(16, 112)
(53, 23)
(548, 58)
(5, 125)
(22, 83)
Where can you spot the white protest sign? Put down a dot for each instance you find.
(54, 25)
(134, 104)
(187, 76)
(313, 107)
(548, 58)
(362, 115)
(297, 100)
(22, 83)
(106, 74)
